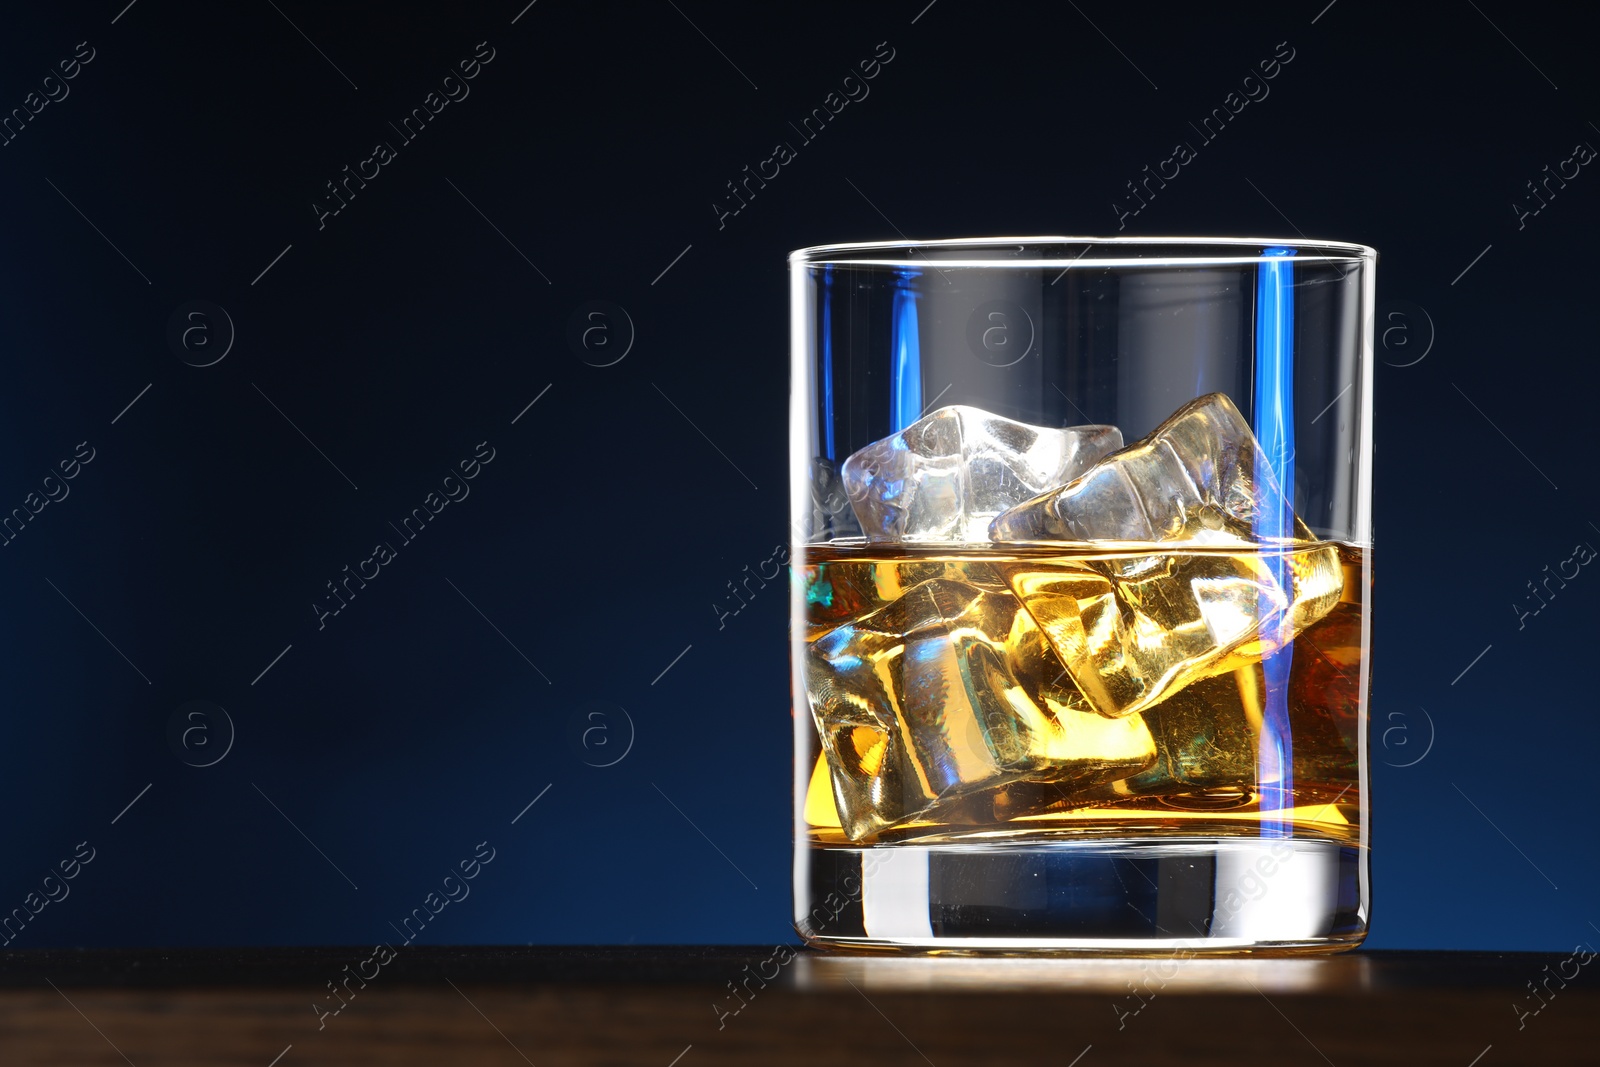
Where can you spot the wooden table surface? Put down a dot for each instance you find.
(665, 1006)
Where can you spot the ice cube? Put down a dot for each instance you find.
(943, 694)
(1197, 477)
(947, 475)
(847, 587)
(1133, 629)
(1207, 736)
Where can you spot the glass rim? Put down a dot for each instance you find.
(901, 252)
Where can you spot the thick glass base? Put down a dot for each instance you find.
(1168, 896)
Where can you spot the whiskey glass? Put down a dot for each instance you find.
(1082, 564)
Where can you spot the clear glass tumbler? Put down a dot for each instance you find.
(1082, 569)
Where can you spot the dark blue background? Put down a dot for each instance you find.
(411, 328)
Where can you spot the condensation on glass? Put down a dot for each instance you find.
(1082, 574)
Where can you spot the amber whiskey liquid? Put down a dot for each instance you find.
(1203, 737)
